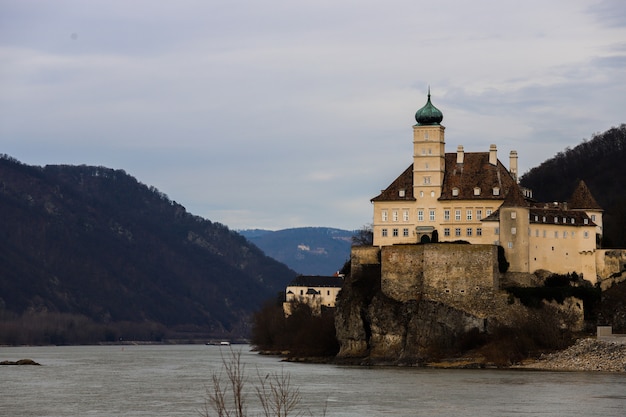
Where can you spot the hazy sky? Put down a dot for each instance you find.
(277, 114)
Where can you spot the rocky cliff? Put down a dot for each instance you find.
(377, 322)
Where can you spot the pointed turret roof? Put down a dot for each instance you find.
(582, 198)
(515, 198)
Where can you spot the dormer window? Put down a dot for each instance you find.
(402, 193)
(476, 190)
(556, 220)
(496, 190)
(455, 192)
(586, 221)
(572, 220)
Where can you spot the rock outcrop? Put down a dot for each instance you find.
(20, 362)
(375, 328)
(409, 304)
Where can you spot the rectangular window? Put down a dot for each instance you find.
(564, 235)
(426, 180)
(513, 230)
(385, 215)
(468, 232)
(405, 215)
(573, 235)
(457, 215)
(513, 214)
(479, 231)
(556, 235)
(405, 232)
(420, 215)
(395, 232)
(446, 215)
(457, 231)
(586, 235)
(469, 214)
(544, 233)
(536, 232)
(479, 214)
(384, 233)
(446, 231)
(593, 217)
(497, 231)
(395, 215)
(488, 212)
(510, 245)
(431, 215)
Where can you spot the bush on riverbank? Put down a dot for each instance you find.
(302, 334)
(541, 330)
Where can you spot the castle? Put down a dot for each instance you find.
(473, 197)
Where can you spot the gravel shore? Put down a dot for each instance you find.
(585, 355)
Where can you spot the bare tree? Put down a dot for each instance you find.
(277, 396)
(364, 236)
(226, 395)
(224, 402)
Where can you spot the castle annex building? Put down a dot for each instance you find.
(474, 197)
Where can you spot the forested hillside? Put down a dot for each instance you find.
(600, 163)
(91, 254)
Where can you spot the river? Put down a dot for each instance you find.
(171, 380)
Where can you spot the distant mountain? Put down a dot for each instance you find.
(600, 163)
(94, 244)
(307, 250)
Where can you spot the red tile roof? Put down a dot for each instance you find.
(474, 172)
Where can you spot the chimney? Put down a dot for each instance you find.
(493, 155)
(459, 154)
(513, 164)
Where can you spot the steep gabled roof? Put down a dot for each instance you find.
(403, 182)
(475, 172)
(582, 199)
(316, 281)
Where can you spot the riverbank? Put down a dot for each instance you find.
(588, 354)
(585, 355)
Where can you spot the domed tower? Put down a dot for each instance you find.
(428, 152)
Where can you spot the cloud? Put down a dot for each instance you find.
(280, 114)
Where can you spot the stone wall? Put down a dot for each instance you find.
(450, 273)
(610, 266)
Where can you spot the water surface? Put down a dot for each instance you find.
(107, 381)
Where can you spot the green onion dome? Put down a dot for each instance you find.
(429, 114)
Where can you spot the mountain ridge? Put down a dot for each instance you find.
(307, 250)
(94, 242)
